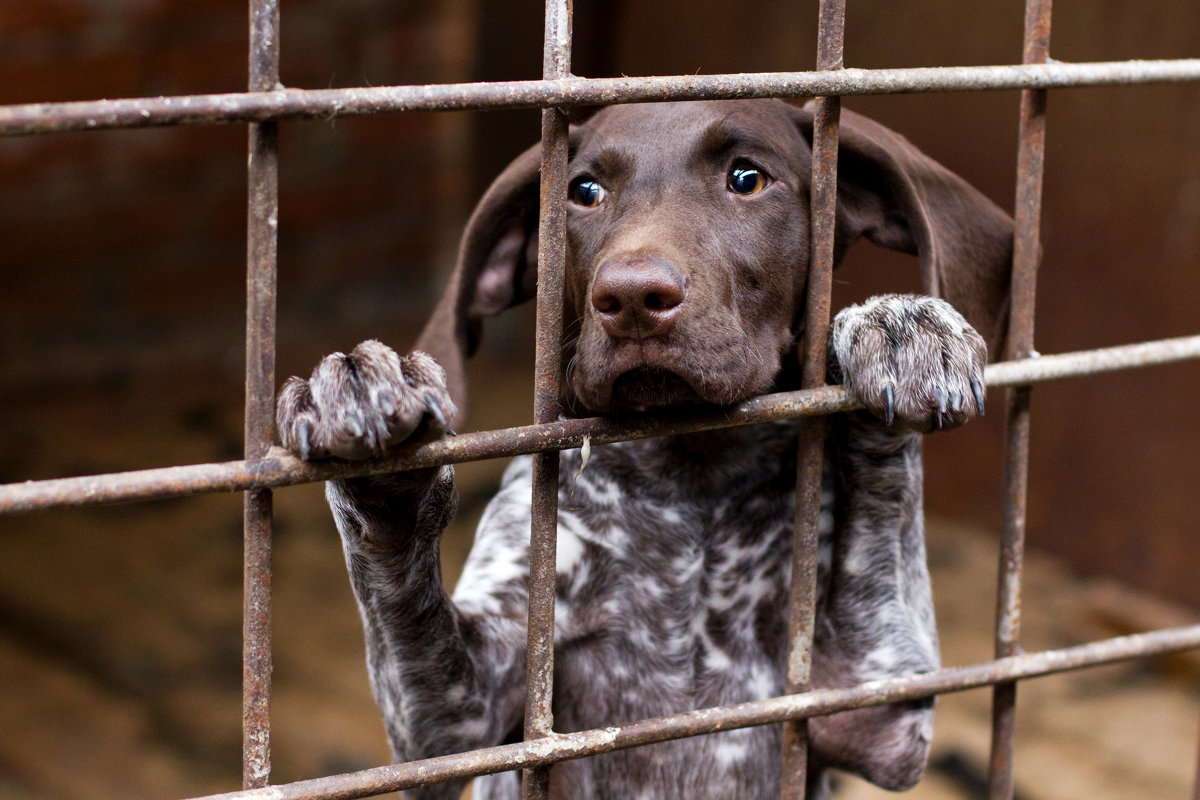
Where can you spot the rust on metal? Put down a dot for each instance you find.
(552, 249)
(1026, 255)
(566, 746)
(810, 456)
(280, 468)
(1045, 368)
(262, 217)
(256, 639)
(292, 104)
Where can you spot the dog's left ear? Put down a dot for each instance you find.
(496, 269)
(900, 198)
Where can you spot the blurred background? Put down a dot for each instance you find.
(121, 323)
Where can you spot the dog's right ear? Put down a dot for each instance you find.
(898, 197)
(497, 269)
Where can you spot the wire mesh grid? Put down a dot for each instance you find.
(265, 467)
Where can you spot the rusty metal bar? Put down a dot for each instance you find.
(1103, 360)
(568, 746)
(281, 103)
(261, 248)
(810, 458)
(279, 468)
(552, 249)
(1196, 785)
(1026, 255)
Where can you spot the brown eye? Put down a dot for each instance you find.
(587, 192)
(746, 178)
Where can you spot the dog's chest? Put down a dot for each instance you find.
(672, 598)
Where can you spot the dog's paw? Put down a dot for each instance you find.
(911, 360)
(356, 406)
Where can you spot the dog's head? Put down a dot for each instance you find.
(688, 247)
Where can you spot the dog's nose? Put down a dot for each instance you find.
(637, 298)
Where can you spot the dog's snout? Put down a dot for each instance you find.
(638, 298)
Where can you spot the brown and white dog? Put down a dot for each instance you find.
(687, 255)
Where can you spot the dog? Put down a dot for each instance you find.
(687, 255)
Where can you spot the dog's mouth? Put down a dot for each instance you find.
(651, 387)
(714, 368)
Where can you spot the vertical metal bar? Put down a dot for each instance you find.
(1026, 255)
(1196, 785)
(261, 224)
(811, 456)
(539, 680)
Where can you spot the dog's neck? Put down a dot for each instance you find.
(711, 463)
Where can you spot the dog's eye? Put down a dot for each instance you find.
(587, 192)
(746, 178)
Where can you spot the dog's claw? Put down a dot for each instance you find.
(889, 403)
(435, 407)
(387, 403)
(940, 398)
(304, 432)
(977, 390)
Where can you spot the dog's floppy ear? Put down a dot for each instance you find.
(497, 269)
(899, 198)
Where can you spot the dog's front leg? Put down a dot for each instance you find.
(440, 676)
(917, 365)
(876, 618)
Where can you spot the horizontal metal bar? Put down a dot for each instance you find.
(1045, 368)
(209, 109)
(280, 468)
(566, 746)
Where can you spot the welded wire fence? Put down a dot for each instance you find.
(265, 468)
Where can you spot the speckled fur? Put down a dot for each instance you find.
(673, 554)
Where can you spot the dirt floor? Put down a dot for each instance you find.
(120, 631)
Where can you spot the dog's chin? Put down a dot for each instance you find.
(651, 387)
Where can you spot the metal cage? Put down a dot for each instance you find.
(265, 104)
